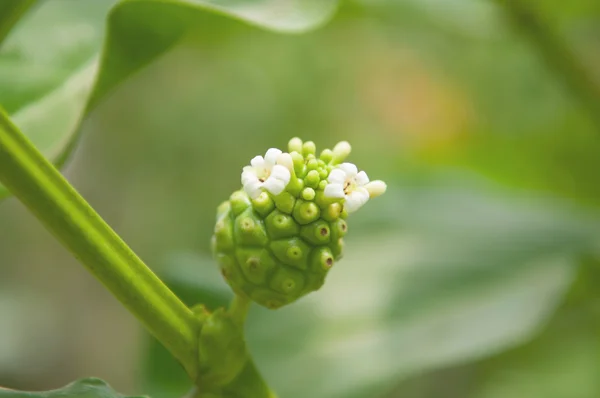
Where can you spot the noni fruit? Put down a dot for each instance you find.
(277, 238)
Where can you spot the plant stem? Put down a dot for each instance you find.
(48, 195)
(249, 383)
(238, 308)
(557, 53)
(10, 13)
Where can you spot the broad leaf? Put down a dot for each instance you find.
(455, 275)
(52, 73)
(84, 388)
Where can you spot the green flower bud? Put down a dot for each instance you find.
(277, 238)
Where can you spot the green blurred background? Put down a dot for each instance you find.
(475, 276)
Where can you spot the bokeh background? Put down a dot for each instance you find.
(475, 276)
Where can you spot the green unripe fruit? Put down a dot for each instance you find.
(276, 249)
(277, 238)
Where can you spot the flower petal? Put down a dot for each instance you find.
(337, 176)
(362, 178)
(281, 173)
(274, 185)
(248, 176)
(334, 191)
(356, 199)
(349, 168)
(285, 159)
(258, 162)
(253, 188)
(376, 188)
(271, 157)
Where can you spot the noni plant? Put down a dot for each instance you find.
(277, 238)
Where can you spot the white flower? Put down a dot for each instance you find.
(345, 182)
(265, 174)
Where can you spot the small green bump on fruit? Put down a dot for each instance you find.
(255, 264)
(280, 225)
(337, 248)
(321, 200)
(339, 228)
(314, 281)
(230, 272)
(268, 298)
(295, 144)
(322, 185)
(295, 186)
(323, 173)
(299, 165)
(249, 230)
(263, 204)
(287, 281)
(344, 213)
(285, 202)
(308, 194)
(239, 202)
(293, 252)
(223, 209)
(224, 234)
(321, 260)
(312, 164)
(306, 212)
(332, 212)
(317, 233)
(309, 148)
(326, 155)
(312, 179)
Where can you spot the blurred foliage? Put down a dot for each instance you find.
(86, 388)
(475, 276)
(66, 75)
(402, 304)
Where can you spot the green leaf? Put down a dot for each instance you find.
(10, 12)
(52, 74)
(84, 388)
(433, 275)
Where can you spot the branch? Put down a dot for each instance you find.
(557, 53)
(48, 195)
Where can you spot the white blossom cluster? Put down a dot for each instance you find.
(273, 172)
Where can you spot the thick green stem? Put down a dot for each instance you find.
(48, 195)
(557, 53)
(10, 13)
(239, 309)
(249, 384)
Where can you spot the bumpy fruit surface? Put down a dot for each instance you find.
(275, 250)
(277, 238)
